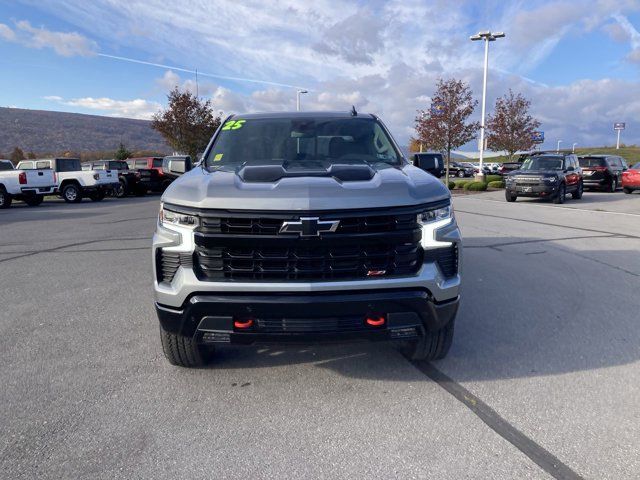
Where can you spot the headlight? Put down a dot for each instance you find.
(435, 215)
(509, 180)
(168, 218)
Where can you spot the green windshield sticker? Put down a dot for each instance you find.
(218, 157)
(233, 124)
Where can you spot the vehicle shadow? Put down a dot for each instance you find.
(528, 309)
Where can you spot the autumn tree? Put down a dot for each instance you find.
(31, 156)
(414, 145)
(17, 155)
(188, 122)
(445, 125)
(510, 127)
(122, 153)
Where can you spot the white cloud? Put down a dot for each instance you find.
(138, 108)
(6, 32)
(627, 32)
(66, 44)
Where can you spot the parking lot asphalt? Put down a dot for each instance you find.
(543, 378)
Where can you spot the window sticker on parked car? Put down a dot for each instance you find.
(233, 124)
(218, 157)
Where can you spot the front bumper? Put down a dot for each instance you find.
(290, 317)
(538, 190)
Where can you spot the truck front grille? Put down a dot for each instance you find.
(248, 246)
(296, 261)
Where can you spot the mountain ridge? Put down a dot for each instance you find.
(45, 131)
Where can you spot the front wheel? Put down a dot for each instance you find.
(562, 193)
(510, 197)
(71, 193)
(97, 196)
(5, 198)
(183, 351)
(577, 195)
(627, 190)
(33, 200)
(460, 174)
(120, 190)
(433, 346)
(614, 185)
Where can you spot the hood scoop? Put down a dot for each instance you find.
(273, 173)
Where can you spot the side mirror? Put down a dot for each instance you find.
(430, 165)
(177, 166)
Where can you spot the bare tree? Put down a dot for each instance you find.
(188, 122)
(511, 128)
(445, 125)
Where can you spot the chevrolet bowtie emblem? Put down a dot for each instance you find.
(310, 226)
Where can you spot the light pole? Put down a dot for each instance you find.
(573, 147)
(298, 92)
(487, 36)
(558, 147)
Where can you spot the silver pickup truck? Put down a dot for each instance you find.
(305, 227)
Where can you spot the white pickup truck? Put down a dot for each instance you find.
(30, 186)
(73, 183)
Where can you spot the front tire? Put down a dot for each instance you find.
(460, 174)
(97, 196)
(5, 198)
(71, 193)
(121, 190)
(510, 197)
(627, 190)
(560, 196)
(614, 185)
(33, 200)
(182, 351)
(433, 346)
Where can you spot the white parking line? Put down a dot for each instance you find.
(467, 197)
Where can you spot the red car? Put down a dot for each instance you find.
(631, 179)
(158, 182)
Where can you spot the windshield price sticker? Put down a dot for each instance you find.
(233, 124)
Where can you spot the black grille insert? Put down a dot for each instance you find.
(168, 262)
(446, 258)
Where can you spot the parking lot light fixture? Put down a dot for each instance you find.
(487, 36)
(298, 93)
(558, 147)
(573, 147)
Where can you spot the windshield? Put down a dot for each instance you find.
(542, 163)
(592, 162)
(303, 142)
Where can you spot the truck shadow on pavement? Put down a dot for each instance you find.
(530, 308)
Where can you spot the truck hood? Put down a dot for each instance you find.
(403, 186)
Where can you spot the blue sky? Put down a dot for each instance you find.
(578, 61)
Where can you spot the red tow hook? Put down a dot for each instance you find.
(243, 324)
(376, 320)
